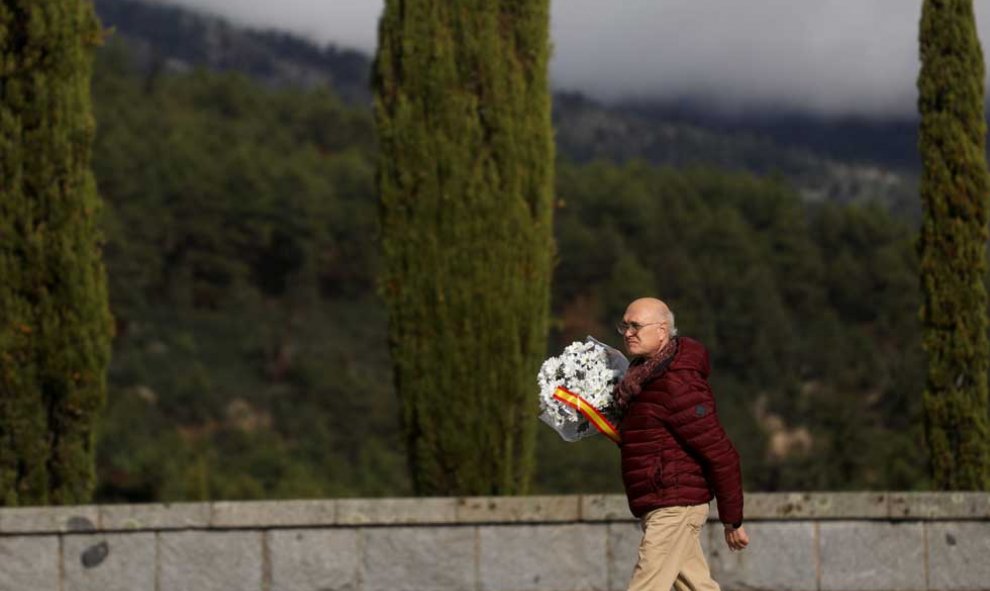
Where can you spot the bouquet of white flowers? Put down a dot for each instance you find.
(576, 390)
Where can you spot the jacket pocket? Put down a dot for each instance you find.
(656, 476)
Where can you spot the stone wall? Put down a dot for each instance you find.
(802, 541)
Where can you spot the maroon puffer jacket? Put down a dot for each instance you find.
(674, 450)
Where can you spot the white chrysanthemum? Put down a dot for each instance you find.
(590, 369)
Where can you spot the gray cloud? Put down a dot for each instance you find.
(824, 56)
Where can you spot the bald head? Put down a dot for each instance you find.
(653, 308)
(650, 326)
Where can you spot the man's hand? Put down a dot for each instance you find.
(736, 538)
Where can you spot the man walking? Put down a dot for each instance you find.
(675, 455)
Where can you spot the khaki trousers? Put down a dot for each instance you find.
(670, 554)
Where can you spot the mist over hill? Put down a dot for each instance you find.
(845, 160)
(887, 142)
(166, 37)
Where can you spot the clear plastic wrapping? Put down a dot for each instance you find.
(576, 390)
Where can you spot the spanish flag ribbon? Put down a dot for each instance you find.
(590, 412)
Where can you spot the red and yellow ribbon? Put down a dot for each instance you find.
(590, 412)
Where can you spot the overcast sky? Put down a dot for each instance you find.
(827, 56)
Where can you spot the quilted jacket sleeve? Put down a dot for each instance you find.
(692, 417)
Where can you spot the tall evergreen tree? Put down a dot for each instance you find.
(953, 242)
(462, 107)
(55, 324)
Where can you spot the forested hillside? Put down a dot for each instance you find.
(821, 171)
(844, 161)
(250, 358)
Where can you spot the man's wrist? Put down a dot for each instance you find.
(733, 526)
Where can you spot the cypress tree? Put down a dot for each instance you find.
(462, 108)
(55, 324)
(952, 245)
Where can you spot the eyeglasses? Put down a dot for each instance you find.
(622, 327)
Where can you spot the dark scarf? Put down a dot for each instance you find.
(641, 370)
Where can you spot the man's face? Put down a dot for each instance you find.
(651, 335)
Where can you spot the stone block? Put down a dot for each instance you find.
(939, 505)
(981, 505)
(29, 563)
(396, 511)
(419, 559)
(81, 518)
(532, 509)
(811, 505)
(314, 559)
(605, 508)
(849, 505)
(228, 514)
(775, 506)
(210, 561)
(622, 552)
(154, 516)
(543, 557)
(108, 562)
(871, 556)
(780, 555)
(959, 555)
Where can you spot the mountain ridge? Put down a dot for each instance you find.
(839, 160)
